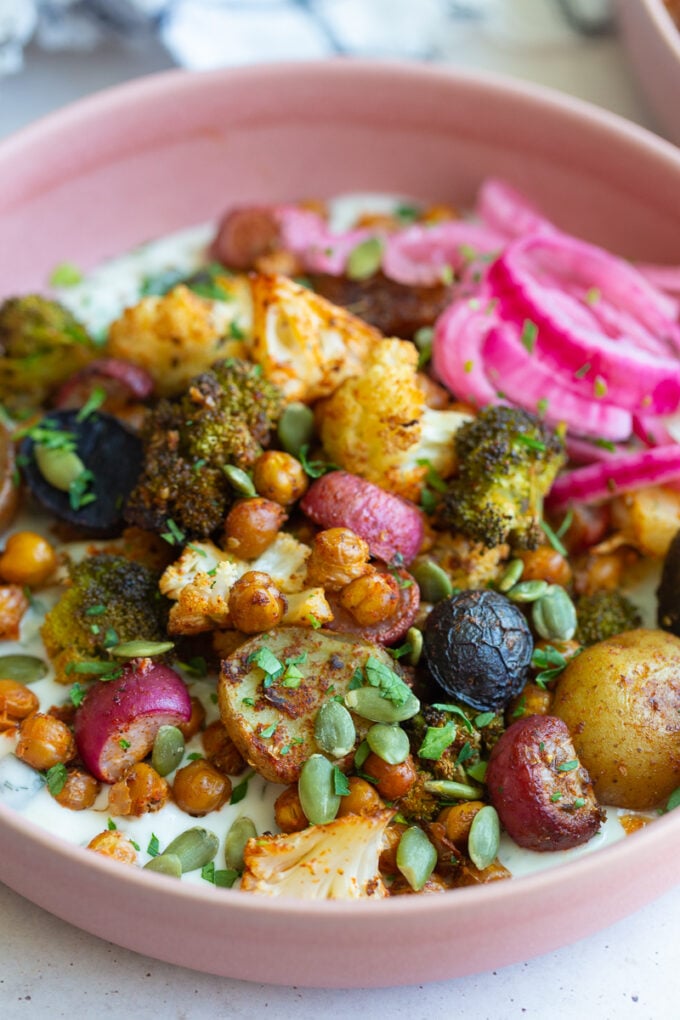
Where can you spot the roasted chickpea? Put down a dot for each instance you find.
(195, 721)
(220, 749)
(280, 477)
(28, 559)
(338, 556)
(255, 603)
(599, 572)
(288, 811)
(531, 700)
(388, 854)
(16, 702)
(279, 263)
(114, 844)
(457, 820)
(470, 875)
(372, 598)
(13, 605)
(199, 788)
(140, 792)
(391, 781)
(79, 792)
(362, 799)
(545, 564)
(44, 742)
(252, 525)
(436, 883)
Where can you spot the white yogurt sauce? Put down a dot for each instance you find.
(97, 301)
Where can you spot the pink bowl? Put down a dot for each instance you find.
(653, 42)
(167, 152)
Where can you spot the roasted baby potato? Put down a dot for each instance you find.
(620, 699)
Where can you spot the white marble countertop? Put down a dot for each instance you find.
(49, 969)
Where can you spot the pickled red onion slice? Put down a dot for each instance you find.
(419, 255)
(506, 210)
(623, 473)
(457, 353)
(527, 280)
(531, 383)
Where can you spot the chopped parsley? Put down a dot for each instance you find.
(436, 741)
(153, 849)
(550, 662)
(269, 731)
(314, 468)
(239, 792)
(455, 710)
(568, 766)
(554, 539)
(92, 404)
(124, 744)
(76, 694)
(174, 535)
(340, 784)
(78, 495)
(65, 274)
(390, 685)
(56, 778)
(272, 668)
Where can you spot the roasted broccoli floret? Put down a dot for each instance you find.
(224, 418)
(335, 861)
(109, 600)
(508, 459)
(377, 425)
(41, 345)
(603, 615)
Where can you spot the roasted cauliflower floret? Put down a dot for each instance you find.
(335, 861)
(200, 581)
(377, 424)
(180, 334)
(305, 344)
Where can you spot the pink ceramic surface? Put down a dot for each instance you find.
(653, 43)
(155, 156)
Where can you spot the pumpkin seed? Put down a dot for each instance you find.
(59, 467)
(414, 637)
(434, 583)
(485, 837)
(316, 790)
(240, 480)
(365, 259)
(369, 703)
(165, 864)
(241, 831)
(25, 669)
(194, 847)
(389, 742)
(554, 615)
(449, 789)
(528, 591)
(511, 575)
(416, 857)
(141, 649)
(296, 427)
(168, 750)
(334, 730)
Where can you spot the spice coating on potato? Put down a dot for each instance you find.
(538, 786)
(271, 717)
(621, 701)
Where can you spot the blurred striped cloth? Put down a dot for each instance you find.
(202, 34)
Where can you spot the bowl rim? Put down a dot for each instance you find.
(625, 851)
(624, 855)
(144, 90)
(664, 24)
